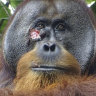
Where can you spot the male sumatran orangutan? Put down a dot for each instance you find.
(49, 50)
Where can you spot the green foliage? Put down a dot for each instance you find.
(89, 1)
(15, 3)
(4, 11)
(94, 8)
(4, 15)
(3, 25)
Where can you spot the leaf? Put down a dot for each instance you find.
(3, 26)
(89, 1)
(4, 11)
(4, 15)
(15, 3)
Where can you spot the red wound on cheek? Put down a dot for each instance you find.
(35, 34)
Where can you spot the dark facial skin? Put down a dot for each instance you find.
(60, 22)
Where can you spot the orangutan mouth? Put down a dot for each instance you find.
(48, 68)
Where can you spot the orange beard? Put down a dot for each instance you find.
(29, 80)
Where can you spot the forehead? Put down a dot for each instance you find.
(51, 8)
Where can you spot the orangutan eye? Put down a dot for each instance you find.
(60, 27)
(40, 25)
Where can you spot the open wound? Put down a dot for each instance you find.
(35, 34)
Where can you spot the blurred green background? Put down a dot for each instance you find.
(7, 8)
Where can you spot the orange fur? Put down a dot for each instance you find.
(27, 80)
(82, 86)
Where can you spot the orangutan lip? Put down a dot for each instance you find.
(47, 68)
